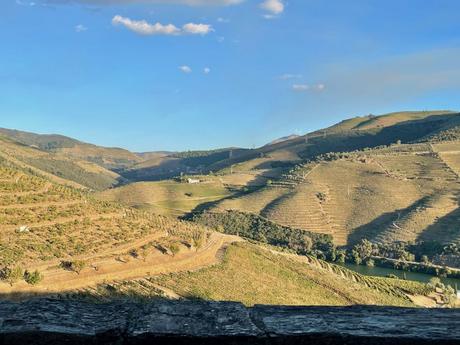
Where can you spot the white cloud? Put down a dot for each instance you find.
(142, 27)
(275, 7)
(186, 69)
(306, 87)
(25, 3)
(300, 87)
(288, 76)
(207, 70)
(197, 29)
(320, 87)
(220, 39)
(80, 28)
(223, 20)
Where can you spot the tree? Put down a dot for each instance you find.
(356, 257)
(369, 262)
(363, 249)
(341, 256)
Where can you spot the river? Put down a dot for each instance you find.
(383, 272)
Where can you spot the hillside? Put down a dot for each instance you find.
(410, 192)
(68, 241)
(110, 158)
(81, 173)
(254, 275)
(60, 230)
(167, 197)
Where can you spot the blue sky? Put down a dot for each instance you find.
(223, 72)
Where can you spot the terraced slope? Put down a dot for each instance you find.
(74, 149)
(43, 223)
(57, 167)
(397, 193)
(254, 275)
(167, 197)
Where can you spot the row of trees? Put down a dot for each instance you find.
(262, 230)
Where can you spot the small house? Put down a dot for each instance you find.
(23, 228)
(193, 181)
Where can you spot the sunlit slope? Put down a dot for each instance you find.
(167, 197)
(75, 241)
(74, 149)
(397, 193)
(254, 275)
(80, 172)
(355, 133)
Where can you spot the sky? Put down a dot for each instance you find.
(200, 74)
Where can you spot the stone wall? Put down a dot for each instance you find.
(49, 321)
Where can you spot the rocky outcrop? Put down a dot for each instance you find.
(48, 321)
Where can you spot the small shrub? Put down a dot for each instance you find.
(11, 275)
(174, 248)
(33, 278)
(75, 266)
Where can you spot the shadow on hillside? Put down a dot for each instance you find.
(377, 227)
(208, 205)
(265, 212)
(407, 131)
(445, 230)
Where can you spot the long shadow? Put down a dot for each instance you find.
(445, 230)
(208, 205)
(377, 227)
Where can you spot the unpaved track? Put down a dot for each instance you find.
(109, 269)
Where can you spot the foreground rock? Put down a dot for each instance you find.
(47, 321)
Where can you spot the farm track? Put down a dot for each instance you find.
(105, 267)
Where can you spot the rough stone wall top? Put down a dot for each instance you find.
(62, 321)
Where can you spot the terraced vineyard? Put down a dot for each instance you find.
(409, 191)
(44, 224)
(251, 274)
(167, 197)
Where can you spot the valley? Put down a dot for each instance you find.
(235, 224)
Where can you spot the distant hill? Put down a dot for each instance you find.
(60, 168)
(111, 158)
(289, 137)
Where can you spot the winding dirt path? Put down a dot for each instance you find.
(106, 267)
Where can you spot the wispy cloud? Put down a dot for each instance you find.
(25, 3)
(307, 87)
(288, 76)
(186, 69)
(80, 28)
(273, 7)
(206, 70)
(142, 27)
